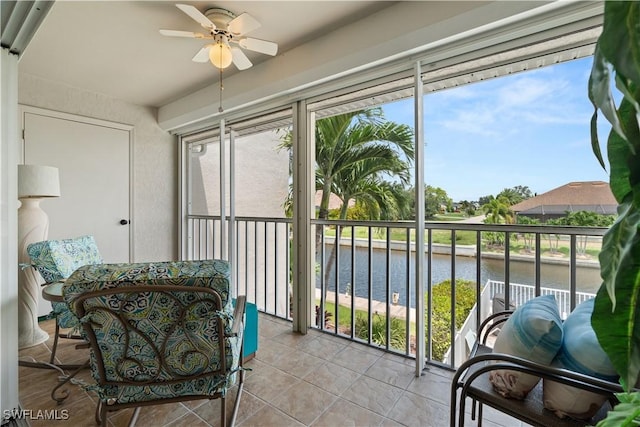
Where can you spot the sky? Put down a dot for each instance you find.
(529, 129)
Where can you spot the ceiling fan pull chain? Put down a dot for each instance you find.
(220, 110)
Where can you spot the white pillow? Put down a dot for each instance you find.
(533, 332)
(580, 352)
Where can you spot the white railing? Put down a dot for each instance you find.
(519, 294)
(465, 337)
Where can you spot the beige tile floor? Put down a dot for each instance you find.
(296, 380)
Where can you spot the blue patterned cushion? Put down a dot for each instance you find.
(64, 318)
(55, 260)
(580, 352)
(533, 332)
(213, 274)
(186, 345)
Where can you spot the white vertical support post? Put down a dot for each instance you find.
(9, 141)
(184, 195)
(419, 198)
(303, 212)
(232, 208)
(223, 193)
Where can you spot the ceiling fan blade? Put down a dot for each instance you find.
(240, 60)
(243, 24)
(197, 16)
(202, 55)
(257, 45)
(176, 33)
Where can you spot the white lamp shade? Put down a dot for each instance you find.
(220, 55)
(38, 181)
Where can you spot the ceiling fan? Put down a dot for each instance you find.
(224, 28)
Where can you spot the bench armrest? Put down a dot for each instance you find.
(492, 323)
(471, 380)
(479, 365)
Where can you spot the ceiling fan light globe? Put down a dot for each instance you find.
(220, 55)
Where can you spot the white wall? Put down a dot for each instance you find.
(155, 160)
(261, 177)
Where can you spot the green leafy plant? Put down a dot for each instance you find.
(616, 318)
(441, 312)
(398, 331)
(625, 413)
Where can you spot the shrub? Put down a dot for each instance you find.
(441, 317)
(379, 330)
(327, 318)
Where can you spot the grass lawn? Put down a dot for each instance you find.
(344, 314)
(463, 237)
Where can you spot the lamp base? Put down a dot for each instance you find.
(31, 336)
(33, 226)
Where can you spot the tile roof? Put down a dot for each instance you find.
(575, 196)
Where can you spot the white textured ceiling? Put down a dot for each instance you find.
(114, 47)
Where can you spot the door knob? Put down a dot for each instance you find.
(124, 222)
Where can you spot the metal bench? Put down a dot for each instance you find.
(471, 380)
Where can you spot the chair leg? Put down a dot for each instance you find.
(96, 415)
(101, 414)
(223, 412)
(463, 399)
(134, 416)
(55, 343)
(236, 404)
(67, 379)
(452, 409)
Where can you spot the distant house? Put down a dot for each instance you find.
(334, 201)
(592, 196)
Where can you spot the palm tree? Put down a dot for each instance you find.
(516, 194)
(498, 211)
(357, 154)
(528, 238)
(356, 149)
(586, 219)
(359, 145)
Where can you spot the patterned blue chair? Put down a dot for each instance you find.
(55, 260)
(159, 332)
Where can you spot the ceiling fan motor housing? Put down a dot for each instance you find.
(221, 18)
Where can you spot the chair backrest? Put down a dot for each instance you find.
(214, 274)
(154, 334)
(157, 330)
(55, 260)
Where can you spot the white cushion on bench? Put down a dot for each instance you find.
(533, 332)
(580, 352)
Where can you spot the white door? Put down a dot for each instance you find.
(94, 165)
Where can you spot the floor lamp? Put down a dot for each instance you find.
(34, 183)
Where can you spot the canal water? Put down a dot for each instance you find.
(552, 275)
